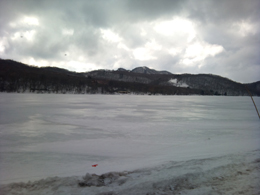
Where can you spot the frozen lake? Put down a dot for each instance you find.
(45, 135)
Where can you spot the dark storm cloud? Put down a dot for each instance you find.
(234, 25)
(219, 37)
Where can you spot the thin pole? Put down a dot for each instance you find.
(252, 100)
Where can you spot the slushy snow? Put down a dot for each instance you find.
(142, 144)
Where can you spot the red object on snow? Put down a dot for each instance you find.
(95, 165)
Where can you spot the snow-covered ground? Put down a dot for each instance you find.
(142, 144)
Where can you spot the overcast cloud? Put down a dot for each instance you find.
(182, 36)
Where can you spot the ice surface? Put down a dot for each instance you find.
(47, 135)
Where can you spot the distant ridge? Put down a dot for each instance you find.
(121, 69)
(19, 77)
(146, 70)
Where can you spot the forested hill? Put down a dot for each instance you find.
(19, 77)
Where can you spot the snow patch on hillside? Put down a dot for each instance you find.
(177, 83)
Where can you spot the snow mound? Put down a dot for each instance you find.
(231, 174)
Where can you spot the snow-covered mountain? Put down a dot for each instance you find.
(146, 70)
(207, 84)
(18, 77)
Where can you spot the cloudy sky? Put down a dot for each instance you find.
(182, 36)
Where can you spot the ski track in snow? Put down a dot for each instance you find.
(142, 144)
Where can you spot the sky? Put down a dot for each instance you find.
(181, 36)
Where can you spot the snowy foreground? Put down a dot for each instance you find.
(142, 144)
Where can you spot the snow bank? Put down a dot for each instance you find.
(231, 174)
